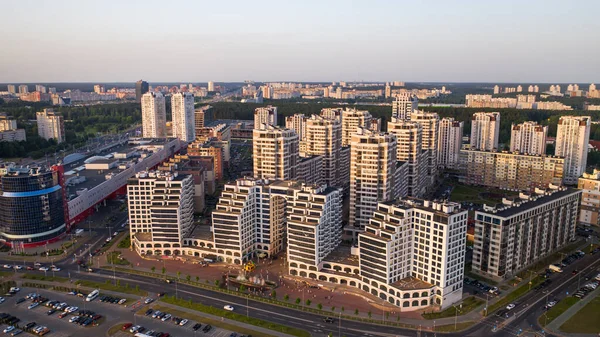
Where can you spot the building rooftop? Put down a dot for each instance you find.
(411, 283)
(202, 232)
(341, 254)
(436, 206)
(517, 205)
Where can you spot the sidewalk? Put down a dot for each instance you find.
(555, 325)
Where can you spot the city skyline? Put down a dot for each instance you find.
(479, 42)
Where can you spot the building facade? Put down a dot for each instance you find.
(297, 122)
(352, 119)
(589, 209)
(324, 138)
(522, 231)
(403, 105)
(50, 125)
(430, 123)
(450, 143)
(572, 138)
(154, 115)
(275, 152)
(485, 130)
(409, 137)
(528, 137)
(265, 115)
(141, 87)
(182, 107)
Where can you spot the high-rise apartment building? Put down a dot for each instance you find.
(40, 88)
(409, 147)
(589, 210)
(352, 119)
(372, 175)
(12, 89)
(403, 105)
(324, 138)
(450, 143)
(523, 231)
(297, 122)
(154, 115)
(50, 125)
(265, 115)
(99, 88)
(275, 152)
(528, 137)
(572, 138)
(161, 209)
(182, 108)
(6, 123)
(485, 130)
(211, 86)
(202, 116)
(515, 171)
(332, 113)
(141, 87)
(9, 131)
(23, 89)
(416, 243)
(430, 122)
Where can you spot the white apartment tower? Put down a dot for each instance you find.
(297, 122)
(265, 115)
(485, 130)
(449, 143)
(372, 174)
(352, 119)
(50, 125)
(182, 107)
(528, 137)
(275, 152)
(403, 105)
(572, 138)
(161, 207)
(211, 86)
(409, 137)
(324, 138)
(430, 122)
(154, 115)
(332, 113)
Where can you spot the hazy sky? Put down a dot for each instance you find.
(229, 40)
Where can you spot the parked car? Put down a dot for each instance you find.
(228, 307)
(510, 306)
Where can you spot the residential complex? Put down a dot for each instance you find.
(154, 115)
(572, 138)
(449, 143)
(141, 87)
(50, 125)
(373, 175)
(529, 138)
(409, 146)
(275, 152)
(297, 122)
(403, 105)
(589, 209)
(182, 107)
(352, 119)
(485, 130)
(265, 115)
(507, 170)
(9, 131)
(523, 231)
(323, 137)
(430, 122)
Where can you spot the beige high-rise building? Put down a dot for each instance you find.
(572, 138)
(275, 152)
(352, 119)
(154, 115)
(324, 138)
(430, 122)
(50, 125)
(182, 107)
(6, 123)
(409, 146)
(528, 137)
(485, 130)
(450, 143)
(23, 89)
(404, 105)
(372, 175)
(211, 86)
(265, 115)
(589, 210)
(332, 113)
(297, 122)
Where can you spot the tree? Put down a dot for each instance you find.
(164, 270)
(286, 297)
(320, 306)
(343, 309)
(298, 300)
(217, 282)
(273, 294)
(178, 275)
(356, 312)
(137, 288)
(332, 309)
(370, 314)
(308, 302)
(242, 288)
(197, 278)
(153, 269)
(188, 278)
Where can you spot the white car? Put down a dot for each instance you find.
(510, 306)
(8, 329)
(55, 269)
(228, 307)
(123, 300)
(134, 328)
(33, 305)
(183, 322)
(2, 300)
(73, 319)
(14, 290)
(156, 313)
(18, 267)
(71, 309)
(8, 266)
(149, 300)
(551, 304)
(166, 318)
(44, 269)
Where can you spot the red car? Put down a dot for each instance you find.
(126, 326)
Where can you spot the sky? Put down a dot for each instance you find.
(372, 40)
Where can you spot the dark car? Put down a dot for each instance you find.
(50, 312)
(197, 326)
(30, 325)
(21, 300)
(149, 312)
(206, 328)
(328, 320)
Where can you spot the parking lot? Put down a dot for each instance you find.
(112, 314)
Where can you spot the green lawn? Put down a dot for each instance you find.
(585, 320)
(557, 310)
(468, 193)
(111, 287)
(468, 305)
(450, 327)
(44, 278)
(511, 297)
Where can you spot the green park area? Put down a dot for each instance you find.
(557, 310)
(478, 194)
(585, 321)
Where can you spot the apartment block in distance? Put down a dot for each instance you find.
(9, 131)
(275, 152)
(528, 137)
(50, 125)
(430, 122)
(323, 137)
(514, 171)
(403, 105)
(161, 211)
(524, 230)
(485, 130)
(450, 143)
(297, 122)
(572, 138)
(589, 210)
(409, 149)
(154, 115)
(351, 120)
(182, 106)
(265, 115)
